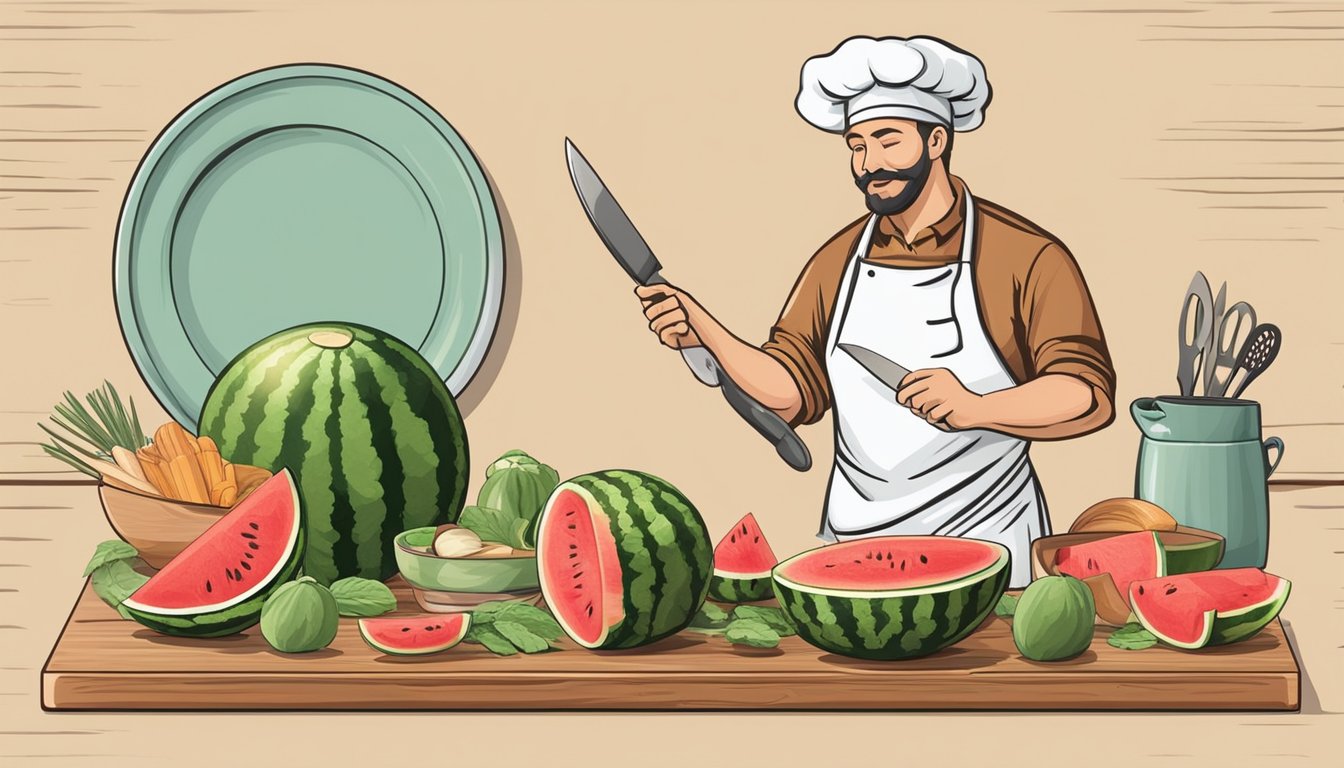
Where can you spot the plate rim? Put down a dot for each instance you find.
(486, 322)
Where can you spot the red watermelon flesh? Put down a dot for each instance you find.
(892, 563)
(1192, 610)
(415, 635)
(743, 552)
(1126, 558)
(577, 540)
(234, 559)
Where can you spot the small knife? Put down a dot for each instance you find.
(886, 371)
(618, 233)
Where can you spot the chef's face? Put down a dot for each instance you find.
(891, 160)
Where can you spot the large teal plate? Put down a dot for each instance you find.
(302, 194)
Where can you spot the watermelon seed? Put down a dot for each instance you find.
(923, 559)
(247, 535)
(228, 574)
(1171, 590)
(573, 546)
(902, 565)
(255, 527)
(243, 563)
(248, 555)
(858, 562)
(756, 540)
(577, 575)
(571, 526)
(869, 555)
(830, 565)
(1140, 589)
(429, 629)
(208, 588)
(891, 563)
(590, 610)
(573, 555)
(237, 574)
(879, 556)
(744, 529)
(405, 629)
(253, 545)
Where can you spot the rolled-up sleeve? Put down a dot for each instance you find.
(1062, 331)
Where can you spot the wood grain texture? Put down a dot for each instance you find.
(103, 662)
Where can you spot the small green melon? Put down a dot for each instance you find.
(1054, 619)
(301, 616)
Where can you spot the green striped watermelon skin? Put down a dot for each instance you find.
(370, 431)
(665, 552)
(892, 628)
(728, 589)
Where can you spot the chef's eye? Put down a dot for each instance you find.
(890, 145)
(857, 148)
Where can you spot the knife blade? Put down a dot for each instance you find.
(631, 251)
(886, 371)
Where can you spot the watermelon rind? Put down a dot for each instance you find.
(664, 551)
(1224, 627)
(373, 436)
(892, 624)
(239, 613)
(451, 641)
(728, 587)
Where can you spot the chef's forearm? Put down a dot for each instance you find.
(1051, 407)
(757, 373)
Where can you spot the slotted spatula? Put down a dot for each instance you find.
(1257, 354)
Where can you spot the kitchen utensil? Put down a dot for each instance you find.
(1203, 461)
(886, 371)
(1234, 329)
(1257, 354)
(618, 233)
(300, 194)
(1209, 362)
(1194, 333)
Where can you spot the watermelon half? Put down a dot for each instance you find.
(415, 635)
(1196, 610)
(623, 559)
(217, 585)
(743, 561)
(892, 597)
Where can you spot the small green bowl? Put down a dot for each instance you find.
(421, 568)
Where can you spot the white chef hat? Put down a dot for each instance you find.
(921, 78)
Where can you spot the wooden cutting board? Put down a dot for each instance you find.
(102, 662)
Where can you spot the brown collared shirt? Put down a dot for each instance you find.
(1031, 295)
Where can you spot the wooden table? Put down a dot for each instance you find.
(102, 662)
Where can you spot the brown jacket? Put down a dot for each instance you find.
(1032, 298)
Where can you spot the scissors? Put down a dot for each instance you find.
(1234, 331)
(1195, 332)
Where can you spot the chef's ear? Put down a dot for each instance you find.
(938, 141)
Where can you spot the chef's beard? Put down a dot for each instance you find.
(916, 176)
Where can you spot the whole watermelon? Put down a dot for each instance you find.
(366, 426)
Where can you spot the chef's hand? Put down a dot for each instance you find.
(937, 395)
(672, 313)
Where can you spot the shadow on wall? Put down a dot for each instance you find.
(488, 371)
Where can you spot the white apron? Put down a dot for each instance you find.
(894, 472)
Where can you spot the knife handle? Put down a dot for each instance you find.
(767, 423)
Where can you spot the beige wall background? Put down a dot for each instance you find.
(1154, 137)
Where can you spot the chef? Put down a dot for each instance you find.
(988, 312)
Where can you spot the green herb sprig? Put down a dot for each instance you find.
(90, 433)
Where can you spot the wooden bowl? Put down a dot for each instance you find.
(158, 528)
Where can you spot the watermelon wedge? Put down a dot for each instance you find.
(891, 597)
(415, 635)
(217, 585)
(1197, 610)
(1125, 558)
(742, 564)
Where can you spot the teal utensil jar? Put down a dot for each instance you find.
(1202, 460)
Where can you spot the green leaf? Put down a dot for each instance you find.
(709, 620)
(1132, 637)
(769, 615)
(1006, 606)
(115, 581)
(756, 634)
(492, 640)
(363, 597)
(110, 551)
(535, 620)
(493, 525)
(522, 638)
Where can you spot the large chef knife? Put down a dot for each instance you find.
(886, 371)
(618, 233)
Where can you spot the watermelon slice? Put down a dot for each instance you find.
(1195, 610)
(892, 597)
(415, 635)
(1125, 558)
(742, 564)
(216, 586)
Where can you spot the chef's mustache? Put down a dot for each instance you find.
(886, 174)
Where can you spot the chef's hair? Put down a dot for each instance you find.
(926, 130)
